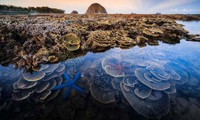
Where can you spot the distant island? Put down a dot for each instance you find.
(10, 9)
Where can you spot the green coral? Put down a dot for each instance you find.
(72, 42)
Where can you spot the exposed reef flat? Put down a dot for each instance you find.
(28, 41)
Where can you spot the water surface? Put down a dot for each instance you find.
(152, 82)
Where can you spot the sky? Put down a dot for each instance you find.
(116, 6)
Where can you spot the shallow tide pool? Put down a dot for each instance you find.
(152, 82)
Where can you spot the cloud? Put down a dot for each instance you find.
(171, 3)
(185, 11)
(112, 6)
(177, 11)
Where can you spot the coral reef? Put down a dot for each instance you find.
(28, 41)
(98, 41)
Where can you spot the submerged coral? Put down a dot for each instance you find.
(158, 78)
(148, 88)
(37, 85)
(100, 86)
(116, 66)
(155, 106)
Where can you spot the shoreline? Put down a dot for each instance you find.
(183, 17)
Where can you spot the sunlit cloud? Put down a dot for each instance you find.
(80, 5)
(114, 6)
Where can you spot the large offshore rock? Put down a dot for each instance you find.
(74, 12)
(96, 8)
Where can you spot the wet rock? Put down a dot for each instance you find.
(192, 37)
(141, 40)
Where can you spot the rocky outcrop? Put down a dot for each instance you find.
(74, 12)
(96, 8)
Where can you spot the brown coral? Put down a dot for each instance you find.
(98, 41)
(122, 39)
(152, 32)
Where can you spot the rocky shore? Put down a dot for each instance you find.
(27, 41)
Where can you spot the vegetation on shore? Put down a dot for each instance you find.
(7, 8)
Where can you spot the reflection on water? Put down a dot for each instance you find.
(159, 82)
(193, 26)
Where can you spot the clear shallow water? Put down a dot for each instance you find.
(158, 82)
